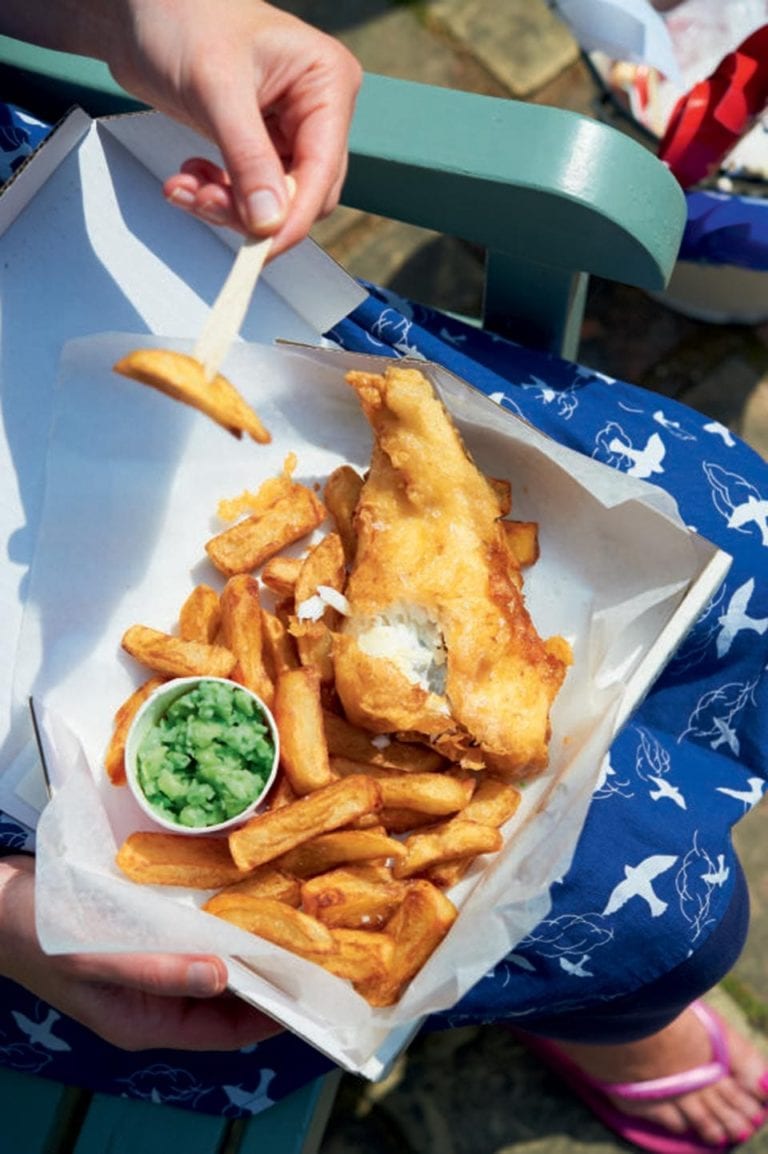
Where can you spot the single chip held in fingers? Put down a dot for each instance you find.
(182, 377)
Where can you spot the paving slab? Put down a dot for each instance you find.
(477, 1091)
(521, 42)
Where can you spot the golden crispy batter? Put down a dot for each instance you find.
(438, 640)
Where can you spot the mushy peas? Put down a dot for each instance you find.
(207, 758)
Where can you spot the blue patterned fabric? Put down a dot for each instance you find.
(655, 868)
(724, 229)
(20, 135)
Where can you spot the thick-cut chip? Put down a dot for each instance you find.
(360, 956)
(329, 850)
(183, 377)
(323, 566)
(285, 926)
(200, 615)
(397, 821)
(357, 744)
(175, 657)
(438, 794)
(114, 758)
(503, 490)
(456, 838)
(493, 803)
(270, 834)
(265, 882)
(341, 494)
(314, 643)
(279, 647)
(249, 543)
(241, 632)
(299, 717)
(280, 574)
(282, 793)
(353, 897)
(522, 540)
(170, 859)
(419, 924)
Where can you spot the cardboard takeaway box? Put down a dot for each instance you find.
(123, 493)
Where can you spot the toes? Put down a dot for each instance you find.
(721, 1113)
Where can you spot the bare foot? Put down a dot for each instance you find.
(726, 1112)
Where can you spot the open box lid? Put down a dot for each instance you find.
(90, 197)
(87, 244)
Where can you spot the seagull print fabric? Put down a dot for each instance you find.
(655, 868)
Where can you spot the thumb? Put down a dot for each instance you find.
(259, 187)
(165, 975)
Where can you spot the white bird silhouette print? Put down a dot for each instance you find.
(665, 789)
(753, 511)
(718, 876)
(673, 427)
(638, 883)
(41, 1033)
(645, 461)
(737, 500)
(750, 797)
(252, 1100)
(576, 969)
(725, 735)
(720, 431)
(735, 618)
(716, 713)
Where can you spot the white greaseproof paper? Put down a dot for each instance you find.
(133, 481)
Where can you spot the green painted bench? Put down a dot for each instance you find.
(552, 197)
(42, 1117)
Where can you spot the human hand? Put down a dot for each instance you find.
(134, 1001)
(276, 95)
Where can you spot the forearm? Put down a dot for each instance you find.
(85, 27)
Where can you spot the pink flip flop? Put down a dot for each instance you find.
(640, 1132)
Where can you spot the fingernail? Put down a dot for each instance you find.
(202, 979)
(182, 197)
(264, 209)
(215, 213)
(744, 1135)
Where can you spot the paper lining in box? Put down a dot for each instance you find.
(133, 482)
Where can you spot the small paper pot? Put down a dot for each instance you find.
(156, 705)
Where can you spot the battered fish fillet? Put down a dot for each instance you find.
(438, 643)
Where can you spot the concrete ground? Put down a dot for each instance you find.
(475, 1091)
